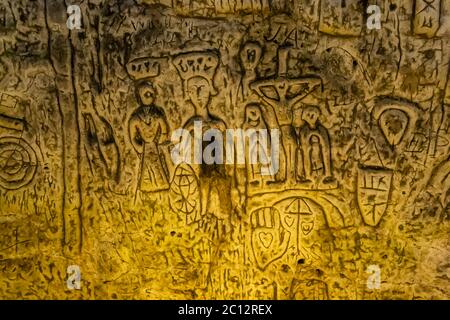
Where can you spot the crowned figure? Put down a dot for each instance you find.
(197, 71)
(148, 130)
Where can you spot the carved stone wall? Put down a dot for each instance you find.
(87, 178)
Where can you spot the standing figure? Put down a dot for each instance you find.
(315, 147)
(214, 183)
(250, 56)
(316, 156)
(148, 130)
(197, 70)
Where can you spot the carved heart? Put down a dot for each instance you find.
(266, 238)
(307, 227)
(289, 220)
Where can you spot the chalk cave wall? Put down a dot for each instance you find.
(358, 210)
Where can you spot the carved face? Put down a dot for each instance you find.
(314, 140)
(147, 95)
(310, 115)
(199, 92)
(250, 56)
(253, 115)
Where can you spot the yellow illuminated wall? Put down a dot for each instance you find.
(356, 104)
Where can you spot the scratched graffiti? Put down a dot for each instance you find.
(88, 178)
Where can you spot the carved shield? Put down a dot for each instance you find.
(185, 193)
(373, 193)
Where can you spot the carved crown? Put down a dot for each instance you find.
(143, 68)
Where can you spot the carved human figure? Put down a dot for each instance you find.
(101, 148)
(197, 70)
(214, 184)
(250, 56)
(315, 147)
(148, 130)
(254, 120)
(316, 156)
